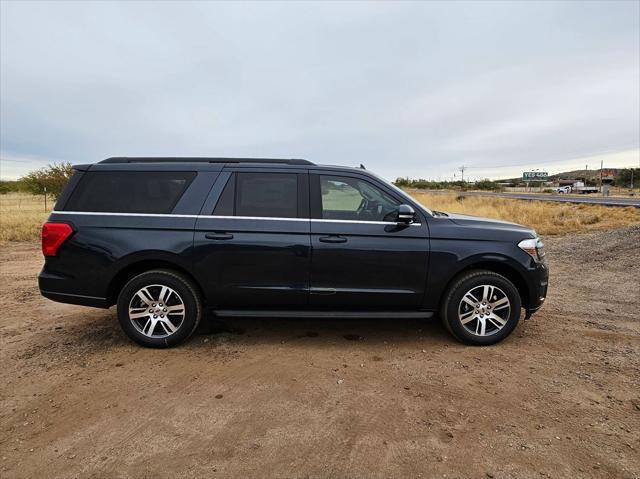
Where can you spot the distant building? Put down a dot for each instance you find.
(568, 182)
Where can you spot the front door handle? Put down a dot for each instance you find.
(333, 239)
(219, 236)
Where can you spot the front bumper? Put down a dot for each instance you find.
(538, 288)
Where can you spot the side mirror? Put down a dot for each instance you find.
(406, 214)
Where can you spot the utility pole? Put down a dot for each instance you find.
(462, 168)
(632, 178)
(586, 167)
(601, 190)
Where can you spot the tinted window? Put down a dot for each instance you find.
(266, 194)
(346, 198)
(129, 191)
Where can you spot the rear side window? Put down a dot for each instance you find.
(259, 194)
(129, 191)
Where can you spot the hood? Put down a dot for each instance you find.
(470, 220)
(478, 227)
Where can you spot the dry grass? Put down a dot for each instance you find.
(547, 217)
(21, 216)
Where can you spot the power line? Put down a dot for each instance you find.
(16, 161)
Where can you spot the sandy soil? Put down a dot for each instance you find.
(339, 398)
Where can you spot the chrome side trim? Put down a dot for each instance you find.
(159, 215)
(362, 222)
(100, 213)
(252, 218)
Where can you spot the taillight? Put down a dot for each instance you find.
(53, 235)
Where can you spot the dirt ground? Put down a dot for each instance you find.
(337, 398)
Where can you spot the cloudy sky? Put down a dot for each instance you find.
(408, 89)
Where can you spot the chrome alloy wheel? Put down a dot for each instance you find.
(157, 311)
(484, 310)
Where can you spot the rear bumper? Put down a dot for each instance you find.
(75, 299)
(57, 288)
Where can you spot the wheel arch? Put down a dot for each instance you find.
(140, 266)
(500, 267)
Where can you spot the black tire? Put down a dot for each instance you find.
(454, 296)
(187, 293)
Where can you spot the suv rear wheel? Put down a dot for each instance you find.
(481, 308)
(159, 308)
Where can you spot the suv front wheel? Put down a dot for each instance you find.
(481, 308)
(159, 308)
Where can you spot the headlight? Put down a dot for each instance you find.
(534, 248)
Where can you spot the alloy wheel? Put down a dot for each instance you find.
(156, 311)
(484, 310)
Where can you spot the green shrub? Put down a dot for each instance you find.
(486, 184)
(52, 177)
(423, 184)
(9, 187)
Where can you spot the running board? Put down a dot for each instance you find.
(241, 313)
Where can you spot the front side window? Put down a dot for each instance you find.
(129, 191)
(272, 195)
(346, 198)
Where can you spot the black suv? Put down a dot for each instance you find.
(165, 238)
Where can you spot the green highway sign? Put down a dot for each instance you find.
(535, 176)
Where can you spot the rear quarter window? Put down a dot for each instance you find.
(129, 191)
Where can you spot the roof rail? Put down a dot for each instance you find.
(127, 159)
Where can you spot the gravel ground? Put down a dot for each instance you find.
(333, 398)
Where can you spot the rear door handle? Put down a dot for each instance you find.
(219, 236)
(333, 239)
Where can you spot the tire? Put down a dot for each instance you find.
(165, 305)
(488, 291)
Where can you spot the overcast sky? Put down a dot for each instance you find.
(408, 89)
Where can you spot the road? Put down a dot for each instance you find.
(590, 199)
